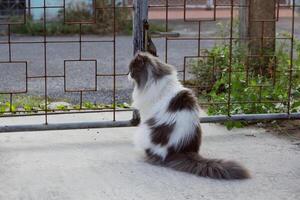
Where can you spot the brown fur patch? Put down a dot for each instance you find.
(160, 134)
(185, 99)
(144, 63)
(187, 159)
(212, 168)
(138, 70)
(158, 68)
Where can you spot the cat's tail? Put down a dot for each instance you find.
(213, 168)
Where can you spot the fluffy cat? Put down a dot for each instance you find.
(169, 131)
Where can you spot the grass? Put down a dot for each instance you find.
(35, 104)
(21, 103)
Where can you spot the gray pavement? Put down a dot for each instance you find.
(103, 164)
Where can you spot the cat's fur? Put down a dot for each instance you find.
(170, 132)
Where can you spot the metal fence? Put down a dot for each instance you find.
(189, 15)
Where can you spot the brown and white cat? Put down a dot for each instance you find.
(170, 132)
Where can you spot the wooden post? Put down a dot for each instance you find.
(140, 15)
(243, 20)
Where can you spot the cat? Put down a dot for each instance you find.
(169, 131)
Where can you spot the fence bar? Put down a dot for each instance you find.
(132, 123)
(140, 8)
(249, 117)
(65, 126)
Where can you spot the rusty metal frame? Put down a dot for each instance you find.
(45, 112)
(80, 90)
(168, 39)
(232, 5)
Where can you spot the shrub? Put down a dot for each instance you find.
(249, 90)
(22, 104)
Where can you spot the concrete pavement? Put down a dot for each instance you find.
(103, 164)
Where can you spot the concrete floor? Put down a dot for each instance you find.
(103, 164)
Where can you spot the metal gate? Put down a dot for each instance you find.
(196, 14)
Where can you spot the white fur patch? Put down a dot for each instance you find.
(142, 138)
(186, 122)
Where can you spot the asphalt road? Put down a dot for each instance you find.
(79, 75)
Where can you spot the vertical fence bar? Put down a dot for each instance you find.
(45, 62)
(114, 61)
(291, 57)
(140, 15)
(230, 60)
(167, 29)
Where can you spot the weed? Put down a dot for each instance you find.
(248, 89)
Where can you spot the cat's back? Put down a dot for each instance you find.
(170, 125)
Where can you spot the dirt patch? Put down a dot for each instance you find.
(289, 129)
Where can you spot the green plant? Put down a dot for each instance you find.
(21, 103)
(2, 109)
(10, 107)
(250, 92)
(61, 107)
(89, 105)
(33, 104)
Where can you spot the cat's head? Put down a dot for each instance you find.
(145, 68)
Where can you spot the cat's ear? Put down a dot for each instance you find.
(151, 47)
(141, 57)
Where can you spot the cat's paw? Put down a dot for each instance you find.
(135, 121)
(136, 118)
